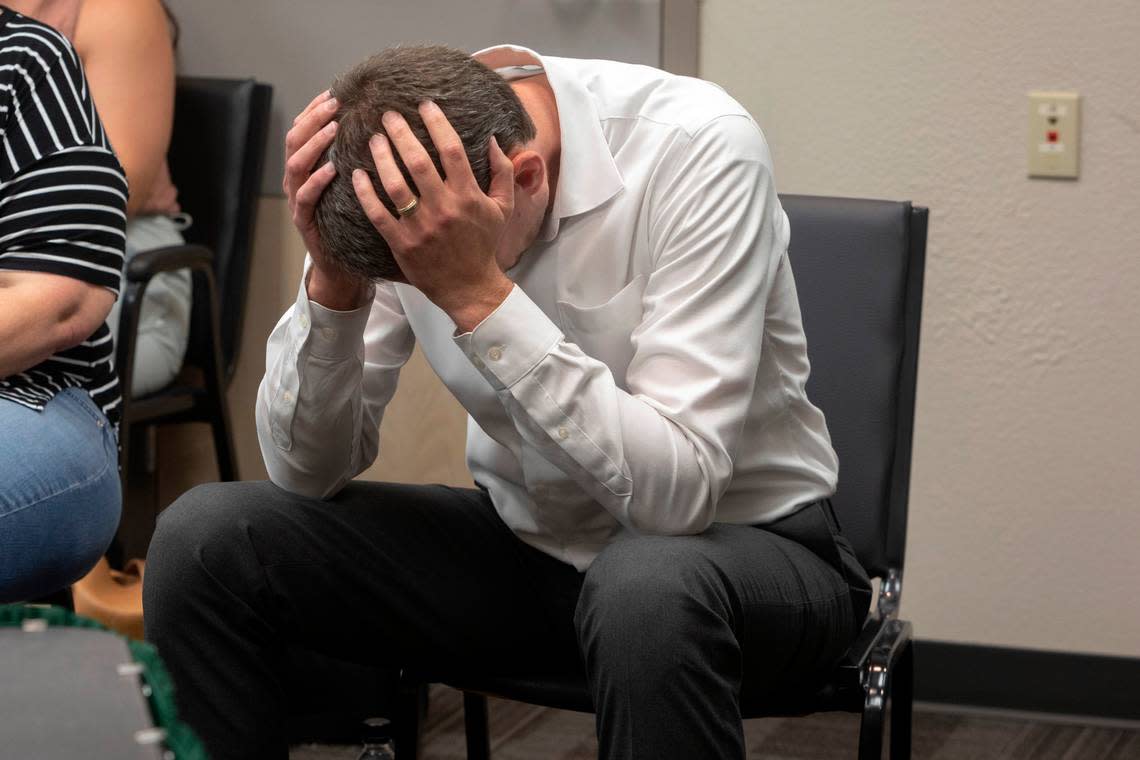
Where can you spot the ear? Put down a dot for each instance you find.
(530, 171)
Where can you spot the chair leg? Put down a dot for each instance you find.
(475, 722)
(902, 703)
(220, 426)
(224, 447)
(213, 374)
(406, 731)
(871, 729)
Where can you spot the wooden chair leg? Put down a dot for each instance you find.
(902, 703)
(475, 722)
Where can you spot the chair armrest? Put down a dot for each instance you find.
(141, 269)
(146, 264)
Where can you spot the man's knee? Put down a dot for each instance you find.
(650, 589)
(207, 532)
(203, 515)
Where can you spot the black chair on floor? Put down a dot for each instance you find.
(216, 155)
(859, 269)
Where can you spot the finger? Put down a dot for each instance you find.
(447, 143)
(300, 165)
(413, 154)
(382, 219)
(310, 192)
(390, 176)
(321, 98)
(502, 187)
(309, 124)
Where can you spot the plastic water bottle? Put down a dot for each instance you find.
(378, 743)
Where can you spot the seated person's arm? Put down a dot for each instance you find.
(62, 200)
(129, 61)
(329, 372)
(328, 377)
(43, 314)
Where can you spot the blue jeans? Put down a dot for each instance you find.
(59, 493)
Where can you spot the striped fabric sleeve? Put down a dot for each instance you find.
(63, 193)
(66, 216)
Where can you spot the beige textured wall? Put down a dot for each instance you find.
(1025, 516)
(1025, 505)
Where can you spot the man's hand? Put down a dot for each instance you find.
(446, 245)
(311, 135)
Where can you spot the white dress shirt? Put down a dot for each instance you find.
(646, 373)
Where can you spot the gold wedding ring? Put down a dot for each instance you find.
(410, 208)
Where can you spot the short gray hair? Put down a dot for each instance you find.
(477, 102)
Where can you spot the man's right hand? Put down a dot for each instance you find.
(311, 135)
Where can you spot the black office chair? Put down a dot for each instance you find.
(216, 155)
(859, 268)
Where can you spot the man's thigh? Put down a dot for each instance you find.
(425, 576)
(789, 611)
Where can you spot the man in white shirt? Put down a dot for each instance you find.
(593, 258)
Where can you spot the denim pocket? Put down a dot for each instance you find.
(79, 400)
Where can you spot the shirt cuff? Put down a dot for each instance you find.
(330, 334)
(511, 340)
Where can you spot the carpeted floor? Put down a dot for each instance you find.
(524, 732)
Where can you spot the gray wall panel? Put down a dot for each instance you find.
(299, 46)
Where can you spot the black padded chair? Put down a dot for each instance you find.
(859, 268)
(216, 155)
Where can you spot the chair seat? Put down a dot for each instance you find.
(565, 691)
(839, 690)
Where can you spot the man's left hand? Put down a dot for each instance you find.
(445, 243)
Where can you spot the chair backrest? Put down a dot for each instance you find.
(858, 266)
(216, 155)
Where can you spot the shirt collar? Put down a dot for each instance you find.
(588, 176)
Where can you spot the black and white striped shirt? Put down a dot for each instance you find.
(63, 199)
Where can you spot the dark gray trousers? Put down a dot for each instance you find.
(673, 632)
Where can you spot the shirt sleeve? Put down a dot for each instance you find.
(659, 455)
(328, 377)
(63, 193)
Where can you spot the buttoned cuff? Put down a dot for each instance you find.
(510, 341)
(329, 334)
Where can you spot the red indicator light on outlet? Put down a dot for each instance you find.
(1052, 136)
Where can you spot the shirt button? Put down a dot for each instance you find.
(563, 433)
(328, 333)
(287, 398)
(303, 321)
(495, 353)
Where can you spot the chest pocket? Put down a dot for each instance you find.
(603, 331)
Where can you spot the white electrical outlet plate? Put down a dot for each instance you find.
(1054, 134)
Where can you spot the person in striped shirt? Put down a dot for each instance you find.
(62, 219)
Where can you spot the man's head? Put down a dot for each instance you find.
(477, 102)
